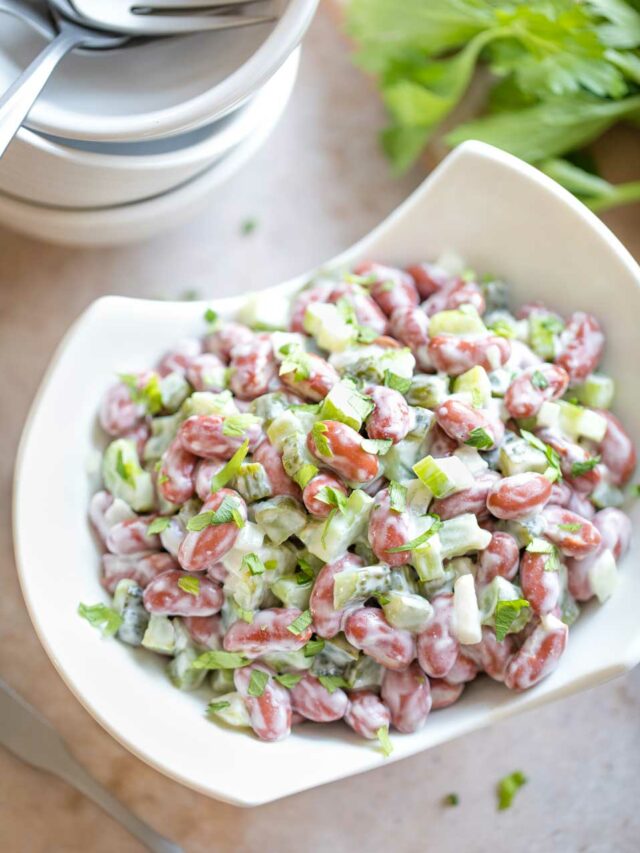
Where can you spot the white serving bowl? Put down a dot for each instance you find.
(502, 216)
(158, 88)
(136, 221)
(47, 172)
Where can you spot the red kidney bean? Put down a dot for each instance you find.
(98, 506)
(495, 655)
(139, 435)
(440, 444)
(206, 469)
(164, 596)
(173, 534)
(454, 356)
(317, 293)
(328, 620)
(176, 478)
(541, 588)
(454, 294)
(141, 568)
(118, 413)
(131, 537)
(437, 647)
(205, 631)
(569, 454)
(560, 494)
(270, 713)
(312, 502)
(574, 535)
(369, 631)
(253, 368)
(473, 499)
(179, 358)
(615, 531)
(522, 356)
(367, 312)
(617, 450)
(459, 420)
(281, 483)
(366, 714)
(269, 632)
(202, 548)
(204, 372)
(347, 455)
(500, 558)
(429, 278)
(311, 699)
(538, 656)
(388, 529)
(204, 435)
(443, 693)
(534, 307)
(525, 396)
(580, 504)
(519, 496)
(409, 325)
(463, 670)
(223, 340)
(408, 696)
(217, 572)
(582, 346)
(393, 288)
(391, 418)
(321, 379)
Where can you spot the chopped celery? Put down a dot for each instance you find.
(500, 589)
(443, 476)
(339, 650)
(476, 383)
(346, 404)
(466, 616)
(330, 539)
(364, 674)
(127, 601)
(280, 518)
(221, 681)
(245, 589)
(287, 661)
(174, 390)
(372, 362)
(265, 311)
(324, 322)
(406, 610)
(399, 460)
(181, 673)
(578, 422)
(231, 709)
(517, 456)
(462, 535)
(284, 343)
(160, 635)
(524, 532)
(124, 477)
(428, 390)
(252, 482)
(423, 421)
(269, 406)
(472, 459)
(291, 593)
(504, 324)
(596, 391)
(427, 559)
(404, 579)
(209, 403)
(418, 497)
(459, 321)
(544, 331)
(289, 423)
(163, 431)
(360, 583)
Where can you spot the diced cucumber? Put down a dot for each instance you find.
(125, 478)
(127, 601)
(160, 635)
(291, 593)
(459, 322)
(361, 582)
(443, 476)
(330, 539)
(597, 391)
(407, 611)
(231, 709)
(181, 673)
(252, 482)
(603, 576)
(265, 311)
(503, 323)
(364, 674)
(466, 626)
(324, 665)
(280, 517)
(517, 456)
(476, 383)
(428, 390)
(462, 535)
(500, 379)
(209, 403)
(346, 404)
(339, 650)
(578, 422)
(324, 322)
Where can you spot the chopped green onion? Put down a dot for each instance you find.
(419, 540)
(212, 707)
(332, 682)
(313, 647)
(506, 613)
(508, 787)
(480, 438)
(570, 528)
(226, 513)
(397, 496)
(158, 525)
(288, 679)
(451, 800)
(189, 585)
(385, 741)
(101, 616)
(305, 474)
(301, 623)
(220, 660)
(257, 683)
(224, 475)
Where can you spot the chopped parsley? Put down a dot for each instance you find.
(580, 468)
(506, 613)
(507, 788)
(419, 540)
(451, 800)
(333, 497)
(220, 660)
(102, 617)
(552, 457)
(480, 438)
(227, 512)
(158, 525)
(288, 679)
(212, 707)
(313, 647)
(224, 475)
(257, 683)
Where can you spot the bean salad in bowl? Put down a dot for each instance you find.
(354, 517)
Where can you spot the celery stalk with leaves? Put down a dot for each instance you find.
(562, 73)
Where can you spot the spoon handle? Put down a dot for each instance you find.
(21, 95)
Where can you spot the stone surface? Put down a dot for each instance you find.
(318, 185)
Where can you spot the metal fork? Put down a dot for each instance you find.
(166, 17)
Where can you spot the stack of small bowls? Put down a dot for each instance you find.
(124, 144)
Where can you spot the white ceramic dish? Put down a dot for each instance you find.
(130, 223)
(158, 88)
(502, 216)
(47, 172)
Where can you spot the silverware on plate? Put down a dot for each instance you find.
(25, 733)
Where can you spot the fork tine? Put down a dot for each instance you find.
(192, 23)
(183, 7)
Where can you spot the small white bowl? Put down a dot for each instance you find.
(136, 221)
(158, 88)
(46, 172)
(502, 216)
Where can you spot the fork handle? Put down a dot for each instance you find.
(21, 95)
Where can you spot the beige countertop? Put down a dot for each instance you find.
(319, 183)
